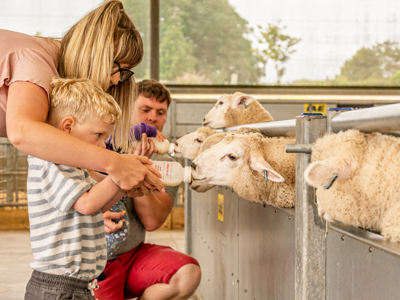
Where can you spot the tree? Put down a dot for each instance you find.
(363, 65)
(279, 47)
(389, 56)
(139, 11)
(204, 37)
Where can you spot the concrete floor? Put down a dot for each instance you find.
(15, 253)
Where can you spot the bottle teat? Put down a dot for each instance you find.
(187, 178)
(171, 148)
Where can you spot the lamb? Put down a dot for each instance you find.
(240, 161)
(237, 109)
(189, 145)
(366, 192)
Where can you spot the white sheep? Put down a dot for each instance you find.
(240, 160)
(207, 144)
(189, 145)
(366, 192)
(237, 109)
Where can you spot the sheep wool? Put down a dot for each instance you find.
(367, 191)
(254, 113)
(250, 184)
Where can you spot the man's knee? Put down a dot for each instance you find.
(187, 279)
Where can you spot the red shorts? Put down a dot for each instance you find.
(132, 272)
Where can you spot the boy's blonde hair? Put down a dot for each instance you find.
(81, 99)
(90, 47)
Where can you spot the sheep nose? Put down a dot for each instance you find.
(176, 143)
(193, 165)
(204, 119)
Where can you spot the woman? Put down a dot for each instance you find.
(103, 46)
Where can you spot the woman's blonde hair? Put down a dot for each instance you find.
(90, 47)
(81, 99)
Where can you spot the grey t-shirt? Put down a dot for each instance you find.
(136, 230)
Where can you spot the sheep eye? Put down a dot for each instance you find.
(232, 157)
(198, 140)
(221, 102)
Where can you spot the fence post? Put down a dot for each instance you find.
(310, 240)
(188, 215)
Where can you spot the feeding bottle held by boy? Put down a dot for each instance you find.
(172, 172)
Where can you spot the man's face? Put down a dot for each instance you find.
(151, 112)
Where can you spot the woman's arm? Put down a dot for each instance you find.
(102, 195)
(27, 108)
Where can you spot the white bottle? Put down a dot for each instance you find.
(160, 147)
(172, 172)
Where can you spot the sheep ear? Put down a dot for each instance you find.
(260, 165)
(242, 100)
(321, 172)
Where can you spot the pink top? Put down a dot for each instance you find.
(25, 58)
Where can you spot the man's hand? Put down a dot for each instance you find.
(109, 224)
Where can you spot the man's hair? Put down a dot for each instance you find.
(81, 99)
(151, 88)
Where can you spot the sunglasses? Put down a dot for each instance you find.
(124, 74)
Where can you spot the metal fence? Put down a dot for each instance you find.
(257, 252)
(13, 173)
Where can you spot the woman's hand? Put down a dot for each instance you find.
(131, 171)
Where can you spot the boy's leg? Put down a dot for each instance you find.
(49, 287)
(160, 272)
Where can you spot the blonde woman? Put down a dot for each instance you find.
(103, 46)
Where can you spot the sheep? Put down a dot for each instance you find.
(189, 145)
(366, 192)
(239, 162)
(237, 109)
(208, 143)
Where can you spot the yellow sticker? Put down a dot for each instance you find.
(221, 207)
(315, 108)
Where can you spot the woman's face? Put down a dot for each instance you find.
(114, 78)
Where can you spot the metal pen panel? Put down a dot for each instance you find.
(277, 128)
(266, 252)
(361, 265)
(310, 244)
(375, 119)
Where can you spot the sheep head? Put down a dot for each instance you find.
(237, 109)
(208, 143)
(235, 157)
(189, 145)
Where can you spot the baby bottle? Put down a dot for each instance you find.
(160, 147)
(163, 147)
(172, 172)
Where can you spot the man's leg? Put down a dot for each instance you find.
(180, 287)
(160, 272)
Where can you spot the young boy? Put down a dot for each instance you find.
(65, 205)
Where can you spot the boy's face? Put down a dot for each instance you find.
(151, 112)
(93, 132)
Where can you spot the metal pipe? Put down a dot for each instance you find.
(381, 119)
(4, 173)
(13, 204)
(299, 148)
(277, 128)
(155, 39)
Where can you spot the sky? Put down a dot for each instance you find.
(331, 31)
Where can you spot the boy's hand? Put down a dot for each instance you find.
(144, 147)
(109, 224)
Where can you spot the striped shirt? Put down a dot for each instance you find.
(64, 241)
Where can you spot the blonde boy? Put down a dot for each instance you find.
(65, 205)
